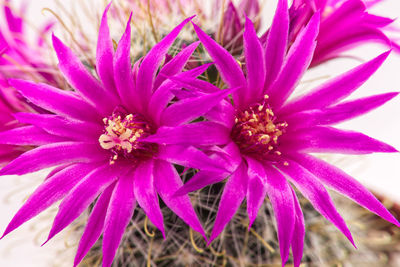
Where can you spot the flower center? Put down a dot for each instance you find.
(256, 130)
(122, 136)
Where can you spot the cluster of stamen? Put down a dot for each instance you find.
(256, 130)
(122, 137)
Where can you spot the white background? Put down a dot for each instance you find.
(380, 172)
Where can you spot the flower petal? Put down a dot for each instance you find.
(331, 140)
(82, 195)
(344, 184)
(57, 125)
(28, 135)
(94, 226)
(280, 195)
(298, 233)
(167, 181)
(256, 190)
(124, 79)
(315, 192)
(354, 108)
(335, 89)
(146, 195)
(105, 53)
(298, 59)
(338, 113)
(233, 195)
(53, 155)
(61, 102)
(255, 63)
(277, 42)
(80, 78)
(49, 192)
(119, 214)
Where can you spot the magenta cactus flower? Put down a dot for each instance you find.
(20, 57)
(97, 136)
(344, 25)
(271, 137)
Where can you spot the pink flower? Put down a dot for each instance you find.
(270, 137)
(98, 136)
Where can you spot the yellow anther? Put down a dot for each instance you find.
(286, 163)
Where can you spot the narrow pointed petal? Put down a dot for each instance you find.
(189, 156)
(151, 62)
(338, 113)
(257, 189)
(226, 64)
(298, 59)
(255, 63)
(233, 195)
(344, 184)
(28, 135)
(280, 195)
(105, 53)
(61, 102)
(335, 89)
(119, 214)
(123, 77)
(82, 195)
(298, 233)
(177, 114)
(200, 133)
(80, 78)
(176, 64)
(94, 226)
(315, 192)
(277, 42)
(53, 155)
(331, 140)
(49, 192)
(57, 125)
(167, 181)
(146, 194)
(352, 109)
